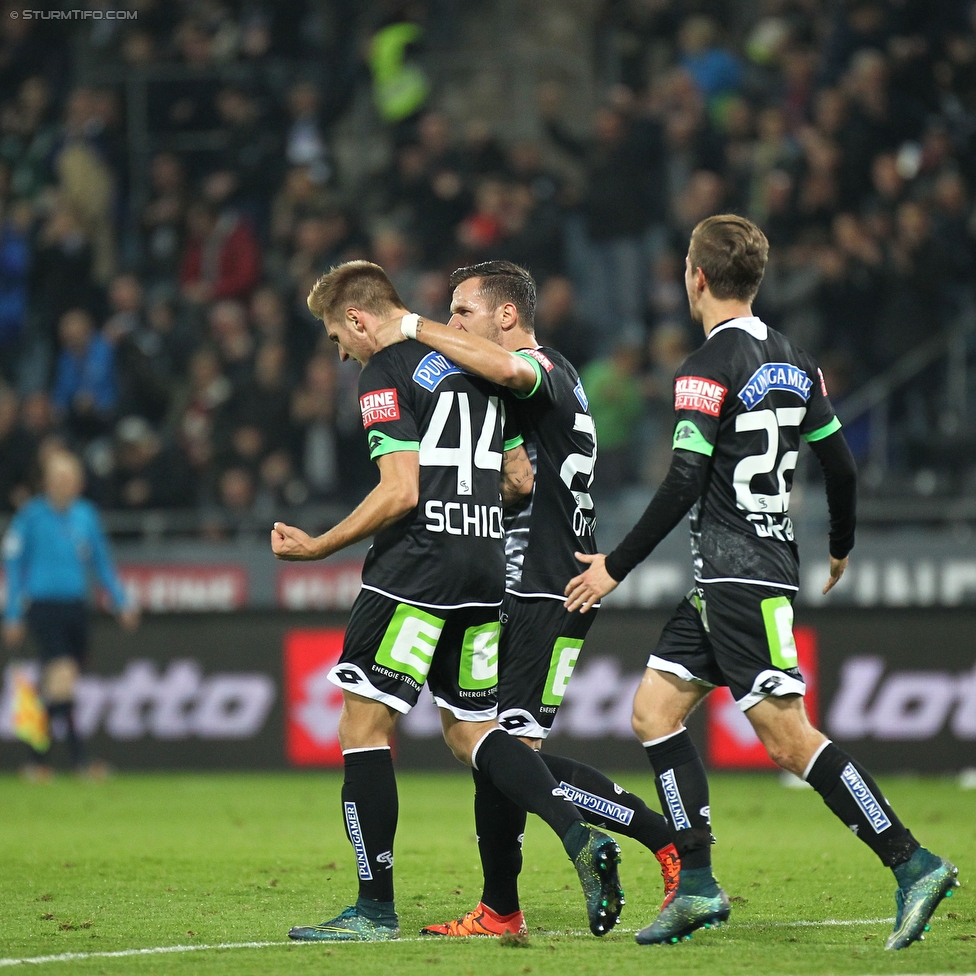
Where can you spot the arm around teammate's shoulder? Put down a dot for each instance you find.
(397, 494)
(472, 353)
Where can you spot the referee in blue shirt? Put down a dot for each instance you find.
(52, 544)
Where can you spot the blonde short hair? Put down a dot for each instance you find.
(361, 284)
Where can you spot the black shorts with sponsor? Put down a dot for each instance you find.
(392, 648)
(734, 634)
(540, 645)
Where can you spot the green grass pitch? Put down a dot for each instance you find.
(149, 861)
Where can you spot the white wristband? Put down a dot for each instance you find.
(408, 325)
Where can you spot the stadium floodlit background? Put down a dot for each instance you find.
(174, 175)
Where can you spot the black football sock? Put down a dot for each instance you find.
(604, 804)
(62, 716)
(683, 789)
(500, 824)
(853, 796)
(521, 775)
(370, 807)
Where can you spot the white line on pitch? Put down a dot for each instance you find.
(121, 953)
(162, 950)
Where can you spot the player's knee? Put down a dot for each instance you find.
(459, 744)
(649, 723)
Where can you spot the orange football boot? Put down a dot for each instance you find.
(670, 871)
(482, 921)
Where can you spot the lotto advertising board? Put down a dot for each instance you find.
(249, 690)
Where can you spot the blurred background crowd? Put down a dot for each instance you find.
(174, 174)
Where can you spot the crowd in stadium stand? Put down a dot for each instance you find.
(154, 319)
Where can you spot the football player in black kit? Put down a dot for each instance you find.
(428, 611)
(491, 334)
(743, 402)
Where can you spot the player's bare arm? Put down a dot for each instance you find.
(390, 500)
(471, 352)
(591, 586)
(517, 476)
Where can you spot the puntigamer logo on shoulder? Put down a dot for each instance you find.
(775, 376)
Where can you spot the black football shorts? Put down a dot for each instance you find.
(540, 645)
(734, 634)
(391, 649)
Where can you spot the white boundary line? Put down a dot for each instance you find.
(163, 950)
(122, 953)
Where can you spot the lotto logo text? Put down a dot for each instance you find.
(379, 405)
(698, 393)
(775, 376)
(864, 798)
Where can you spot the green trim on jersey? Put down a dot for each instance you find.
(822, 432)
(514, 442)
(380, 444)
(538, 376)
(689, 438)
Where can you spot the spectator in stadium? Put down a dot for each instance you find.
(85, 390)
(313, 414)
(558, 323)
(16, 454)
(15, 254)
(163, 219)
(52, 544)
(613, 389)
(306, 144)
(148, 473)
(221, 258)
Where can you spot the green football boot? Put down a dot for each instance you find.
(918, 901)
(682, 915)
(348, 926)
(596, 865)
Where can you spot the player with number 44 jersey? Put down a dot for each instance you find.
(428, 612)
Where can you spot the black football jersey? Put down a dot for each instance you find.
(557, 519)
(745, 399)
(449, 551)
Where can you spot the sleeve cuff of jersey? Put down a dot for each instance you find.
(821, 432)
(514, 442)
(688, 437)
(380, 444)
(538, 377)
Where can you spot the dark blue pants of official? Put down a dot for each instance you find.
(60, 630)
